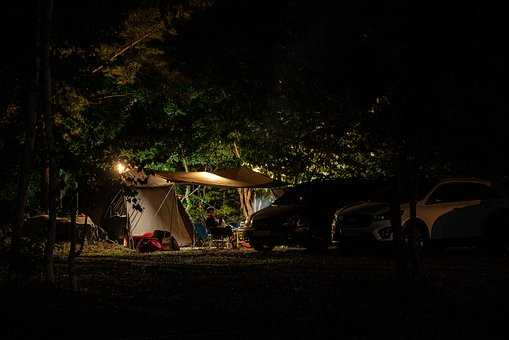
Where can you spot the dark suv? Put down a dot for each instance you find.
(303, 214)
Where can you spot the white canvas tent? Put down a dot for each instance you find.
(160, 210)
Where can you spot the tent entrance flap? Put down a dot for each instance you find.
(160, 211)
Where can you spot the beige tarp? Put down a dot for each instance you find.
(161, 210)
(232, 178)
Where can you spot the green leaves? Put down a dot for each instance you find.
(157, 107)
(173, 110)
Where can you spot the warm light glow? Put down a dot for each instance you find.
(120, 167)
(211, 176)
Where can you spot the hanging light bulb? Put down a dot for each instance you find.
(120, 167)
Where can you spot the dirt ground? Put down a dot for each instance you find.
(242, 294)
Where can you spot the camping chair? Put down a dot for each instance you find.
(201, 234)
(217, 238)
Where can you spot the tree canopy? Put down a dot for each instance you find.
(296, 90)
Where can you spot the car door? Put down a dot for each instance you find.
(458, 209)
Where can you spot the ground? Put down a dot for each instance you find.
(242, 294)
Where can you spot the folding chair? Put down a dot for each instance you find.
(218, 238)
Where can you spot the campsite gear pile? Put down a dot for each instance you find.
(87, 229)
(147, 244)
(156, 241)
(242, 243)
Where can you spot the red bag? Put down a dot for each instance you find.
(149, 245)
(137, 239)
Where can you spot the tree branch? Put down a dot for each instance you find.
(127, 47)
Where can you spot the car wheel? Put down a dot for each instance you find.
(320, 236)
(261, 246)
(345, 248)
(318, 243)
(496, 233)
(417, 238)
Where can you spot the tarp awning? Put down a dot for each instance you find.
(231, 178)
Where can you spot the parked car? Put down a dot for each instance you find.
(302, 216)
(457, 210)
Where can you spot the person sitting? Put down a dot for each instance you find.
(217, 228)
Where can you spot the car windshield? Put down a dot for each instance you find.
(384, 193)
(330, 193)
(295, 195)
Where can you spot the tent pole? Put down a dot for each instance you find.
(192, 192)
(130, 241)
(170, 212)
(164, 199)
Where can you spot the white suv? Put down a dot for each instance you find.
(457, 209)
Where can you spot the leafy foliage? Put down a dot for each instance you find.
(167, 104)
(175, 85)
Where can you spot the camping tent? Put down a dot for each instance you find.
(156, 207)
(160, 210)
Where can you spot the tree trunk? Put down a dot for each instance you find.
(414, 251)
(246, 195)
(71, 269)
(45, 185)
(398, 249)
(27, 158)
(246, 202)
(188, 187)
(50, 140)
(415, 255)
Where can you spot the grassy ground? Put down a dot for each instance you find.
(244, 294)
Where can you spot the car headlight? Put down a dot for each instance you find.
(382, 217)
(338, 217)
(337, 221)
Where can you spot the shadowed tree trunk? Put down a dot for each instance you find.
(47, 12)
(27, 157)
(415, 251)
(73, 252)
(400, 258)
(408, 254)
(72, 248)
(188, 187)
(399, 255)
(246, 201)
(44, 185)
(246, 195)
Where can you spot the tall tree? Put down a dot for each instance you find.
(31, 109)
(47, 13)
